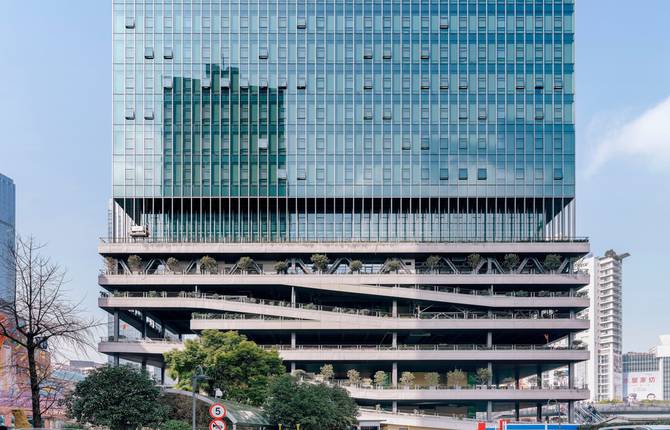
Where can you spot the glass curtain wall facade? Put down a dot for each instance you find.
(329, 120)
(7, 236)
(384, 186)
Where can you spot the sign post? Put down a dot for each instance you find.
(218, 412)
(218, 425)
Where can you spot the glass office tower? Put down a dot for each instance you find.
(410, 142)
(7, 236)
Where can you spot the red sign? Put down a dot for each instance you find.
(217, 411)
(217, 425)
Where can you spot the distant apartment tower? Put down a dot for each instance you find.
(7, 233)
(603, 372)
(646, 375)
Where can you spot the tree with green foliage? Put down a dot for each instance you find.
(510, 261)
(381, 378)
(433, 262)
(237, 366)
(175, 425)
(407, 379)
(281, 267)
(245, 263)
(172, 264)
(483, 375)
(327, 372)
(208, 265)
(355, 266)
(134, 263)
(432, 379)
(552, 262)
(457, 378)
(118, 397)
(312, 406)
(473, 261)
(353, 377)
(320, 262)
(393, 266)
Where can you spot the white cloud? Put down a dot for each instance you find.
(646, 137)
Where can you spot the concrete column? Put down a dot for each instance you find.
(116, 359)
(144, 364)
(163, 374)
(394, 309)
(517, 414)
(538, 413)
(516, 377)
(293, 341)
(489, 339)
(293, 299)
(144, 324)
(395, 406)
(489, 410)
(162, 330)
(292, 366)
(116, 325)
(394, 374)
(394, 340)
(571, 375)
(489, 366)
(538, 375)
(571, 411)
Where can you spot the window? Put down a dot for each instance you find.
(130, 113)
(539, 173)
(425, 174)
(302, 174)
(444, 174)
(302, 23)
(425, 53)
(462, 143)
(262, 143)
(130, 22)
(149, 53)
(148, 114)
(263, 54)
(444, 22)
(367, 54)
(302, 83)
(167, 53)
(367, 84)
(462, 174)
(167, 81)
(387, 53)
(481, 174)
(520, 174)
(558, 174)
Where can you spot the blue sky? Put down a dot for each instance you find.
(55, 116)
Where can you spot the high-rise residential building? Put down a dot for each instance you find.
(603, 372)
(646, 375)
(378, 185)
(7, 236)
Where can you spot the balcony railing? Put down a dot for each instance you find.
(219, 239)
(462, 315)
(371, 347)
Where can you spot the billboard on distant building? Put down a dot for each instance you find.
(643, 386)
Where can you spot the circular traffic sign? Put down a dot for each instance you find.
(217, 425)
(217, 410)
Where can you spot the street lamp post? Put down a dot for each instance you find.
(198, 375)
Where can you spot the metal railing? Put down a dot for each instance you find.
(511, 386)
(253, 240)
(462, 315)
(371, 347)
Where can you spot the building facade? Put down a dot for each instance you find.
(379, 185)
(647, 374)
(603, 372)
(7, 236)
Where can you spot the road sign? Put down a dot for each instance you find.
(217, 425)
(217, 410)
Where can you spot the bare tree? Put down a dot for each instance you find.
(41, 318)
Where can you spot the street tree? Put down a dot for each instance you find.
(41, 320)
(118, 397)
(237, 366)
(312, 406)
